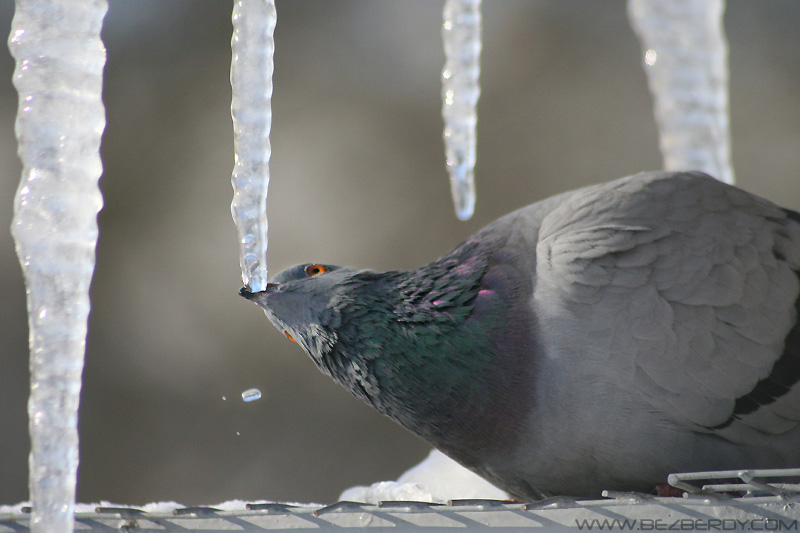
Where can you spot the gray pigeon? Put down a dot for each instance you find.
(599, 339)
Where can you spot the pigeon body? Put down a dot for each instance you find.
(599, 339)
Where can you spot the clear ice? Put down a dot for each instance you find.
(252, 47)
(60, 119)
(251, 395)
(461, 33)
(685, 57)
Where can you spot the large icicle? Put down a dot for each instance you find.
(685, 56)
(252, 48)
(461, 33)
(59, 74)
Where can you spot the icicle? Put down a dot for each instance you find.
(461, 33)
(251, 80)
(685, 57)
(59, 69)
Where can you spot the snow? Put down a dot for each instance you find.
(436, 479)
(252, 65)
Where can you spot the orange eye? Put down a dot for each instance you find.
(315, 270)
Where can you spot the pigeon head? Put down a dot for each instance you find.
(304, 302)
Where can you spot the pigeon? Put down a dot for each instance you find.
(597, 340)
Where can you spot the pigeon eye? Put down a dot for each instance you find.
(315, 270)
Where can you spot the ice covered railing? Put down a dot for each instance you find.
(762, 510)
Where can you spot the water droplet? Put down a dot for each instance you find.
(650, 57)
(237, 433)
(224, 398)
(251, 395)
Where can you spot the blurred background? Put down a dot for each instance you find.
(358, 178)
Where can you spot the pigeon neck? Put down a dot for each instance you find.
(416, 351)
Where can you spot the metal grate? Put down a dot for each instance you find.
(747, 483)
(742, 500)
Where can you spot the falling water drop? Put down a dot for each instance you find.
(251, 395)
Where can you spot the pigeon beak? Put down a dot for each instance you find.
(245, 292)
(256, 297)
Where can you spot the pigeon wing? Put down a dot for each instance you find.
(683, 289)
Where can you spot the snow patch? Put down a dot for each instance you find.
(436, 479)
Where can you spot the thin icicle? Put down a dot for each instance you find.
(252, 48)
(461, 33)
(685, 57)
(59, 76)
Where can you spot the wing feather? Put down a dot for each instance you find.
(683, 289)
